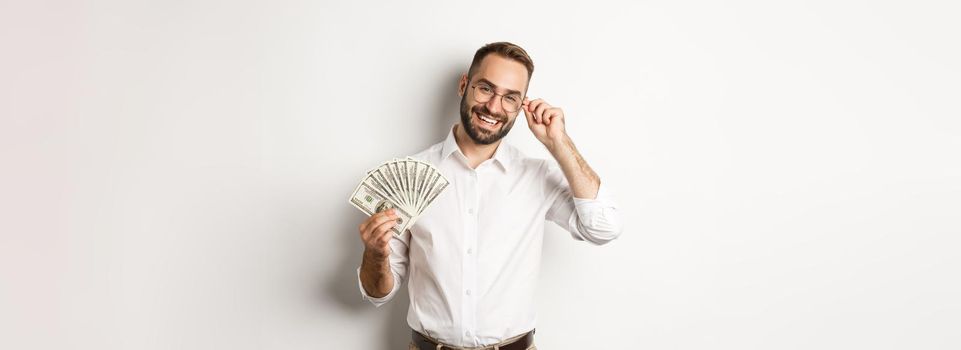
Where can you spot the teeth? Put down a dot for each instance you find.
(488, 120)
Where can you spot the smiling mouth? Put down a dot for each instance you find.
(487, 120)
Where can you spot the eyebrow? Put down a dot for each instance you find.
(488, 82)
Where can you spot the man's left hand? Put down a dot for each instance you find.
(545, 121)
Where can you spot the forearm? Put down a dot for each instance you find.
(583, 180)
(375, 275)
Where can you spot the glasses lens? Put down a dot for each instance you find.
(483, 93)
(511, 103)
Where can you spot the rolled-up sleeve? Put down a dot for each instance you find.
(594, 220)
(398, 268)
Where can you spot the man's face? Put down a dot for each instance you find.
(505, 76)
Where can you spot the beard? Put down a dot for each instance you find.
(480, 136)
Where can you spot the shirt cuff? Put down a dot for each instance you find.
(602, 200)
(596, 219)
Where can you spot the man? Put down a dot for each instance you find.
(473, 257)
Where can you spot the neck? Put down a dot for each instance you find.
(474, 152)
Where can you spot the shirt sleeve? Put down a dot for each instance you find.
(398, 260)
(595, 220)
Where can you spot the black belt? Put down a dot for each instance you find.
(522, 343)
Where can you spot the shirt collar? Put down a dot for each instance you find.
(501, 156)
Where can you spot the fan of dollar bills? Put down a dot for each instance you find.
(409, 185)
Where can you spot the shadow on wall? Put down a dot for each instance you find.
(344, 289)
(447, 104)
(343, 285)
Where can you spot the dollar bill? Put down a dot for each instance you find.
(408, 185)
(370, 201)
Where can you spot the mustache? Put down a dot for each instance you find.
(483, 110)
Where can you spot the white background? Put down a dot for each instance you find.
(175, 174)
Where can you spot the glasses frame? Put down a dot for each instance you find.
(493, 90)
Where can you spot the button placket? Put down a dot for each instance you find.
(469, 306)
(472, 203)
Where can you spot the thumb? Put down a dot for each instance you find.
(526, 105)
(529, 116)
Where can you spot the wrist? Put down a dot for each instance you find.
(559, 146)
(374, 257)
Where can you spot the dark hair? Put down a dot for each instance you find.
(506, 50)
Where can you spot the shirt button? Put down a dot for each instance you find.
(470, 210)
(467, 333)
(468, 292)
(470, 250)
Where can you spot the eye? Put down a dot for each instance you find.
(512, 99)
(485, 88)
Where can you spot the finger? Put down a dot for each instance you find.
(530, 116)
(528, 113)
(366, 222)
(382, 229)
(383, 242)
(533, 108)
(533, 103)
(553, 115)
(539, 112)
(380, 220)
(385, 239)
(382, 213)
(364, 225)
(391, 213)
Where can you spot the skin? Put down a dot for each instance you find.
(545, 121)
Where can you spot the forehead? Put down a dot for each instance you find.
(503, 72)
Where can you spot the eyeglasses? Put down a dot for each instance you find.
(483, 93)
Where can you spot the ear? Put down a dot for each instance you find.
(462, 85)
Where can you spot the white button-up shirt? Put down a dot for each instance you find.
(473, 257)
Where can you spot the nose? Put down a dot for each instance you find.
(495, 101)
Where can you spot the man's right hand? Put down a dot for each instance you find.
(376, 233)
